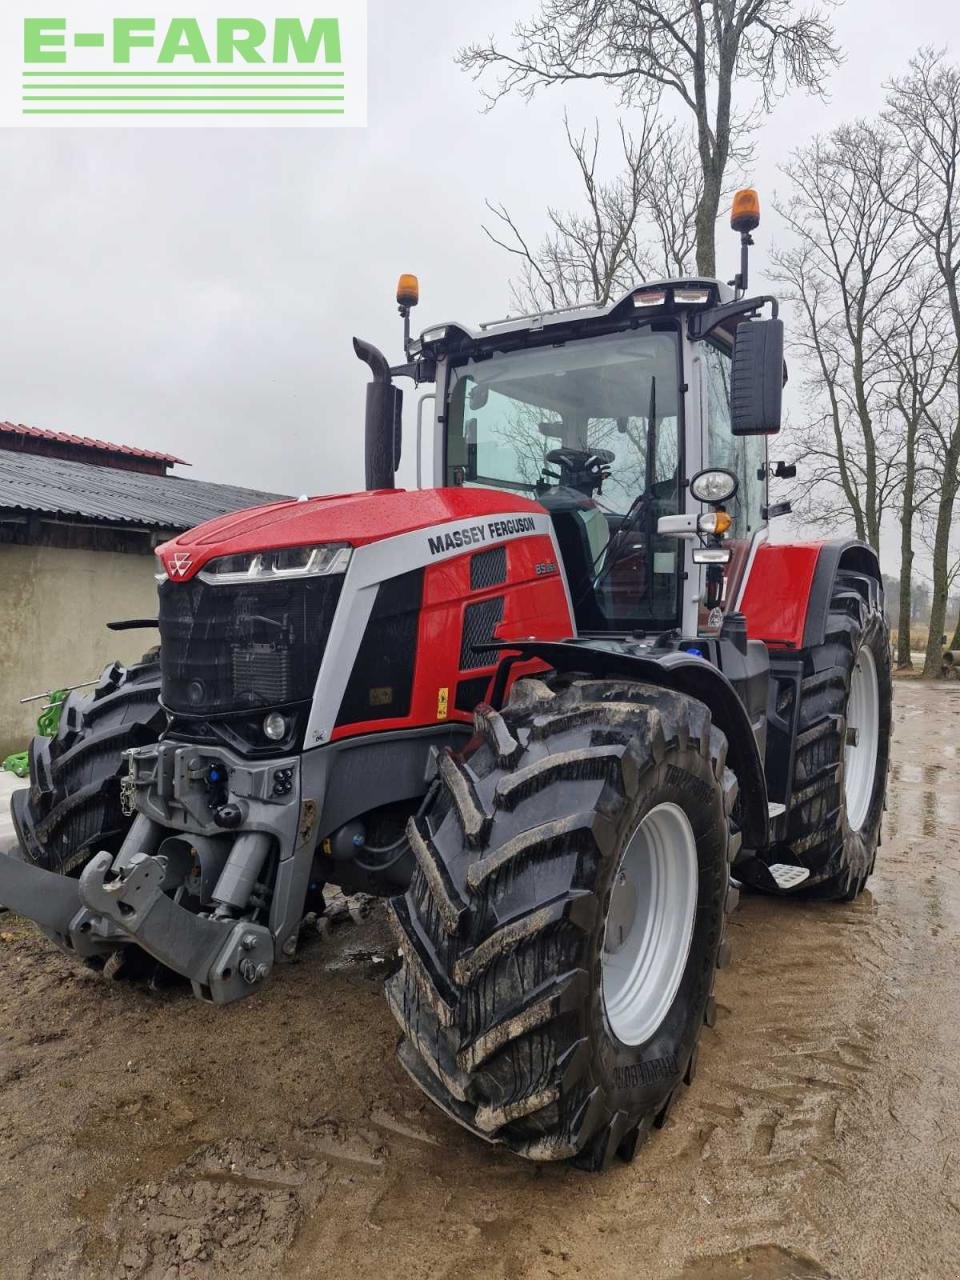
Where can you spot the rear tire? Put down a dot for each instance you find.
(833, 827)
(501, 996)
(72, 808)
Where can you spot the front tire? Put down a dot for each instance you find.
(72, 808)
(566, 917)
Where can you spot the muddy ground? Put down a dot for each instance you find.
(145, 1136)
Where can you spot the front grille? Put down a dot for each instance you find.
(488, 568)
(243, 646)
(262, 671)
(479, 621)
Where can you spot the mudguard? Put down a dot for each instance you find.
(786, 601)
(672, 669)
(847, 555)
(787, 595)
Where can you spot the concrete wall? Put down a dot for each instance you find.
(54, 604)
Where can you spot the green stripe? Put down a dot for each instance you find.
(210, 97)
(186, 111)
(183, 73)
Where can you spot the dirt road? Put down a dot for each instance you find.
(147, 1137)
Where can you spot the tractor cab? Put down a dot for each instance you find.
(604, 424)
(639, 424)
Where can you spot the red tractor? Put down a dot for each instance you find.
(556, 706)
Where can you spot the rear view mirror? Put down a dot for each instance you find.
(756, 379)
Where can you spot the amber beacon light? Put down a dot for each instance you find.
(408, 291)
(745, 215)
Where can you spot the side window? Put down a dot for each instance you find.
(745, 456)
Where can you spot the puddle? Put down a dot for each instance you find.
(364, 962)
(760, 1262)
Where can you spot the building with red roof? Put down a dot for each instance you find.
(79, 521)
(60, 444)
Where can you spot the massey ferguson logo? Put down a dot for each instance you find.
(180, 563)
(476, 534)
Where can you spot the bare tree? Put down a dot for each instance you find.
(926, 537)
(852, 254)
(920, 602)
(916, 345)
(923, 109)
(672, 185)
(833, 467)
(638, 225)
(695, 50)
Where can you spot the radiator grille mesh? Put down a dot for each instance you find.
(479, 621)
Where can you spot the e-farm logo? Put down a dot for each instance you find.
(99, 64)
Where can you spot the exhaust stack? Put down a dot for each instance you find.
(384, 420)
(382, 429)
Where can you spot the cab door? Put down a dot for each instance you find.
(746, 457)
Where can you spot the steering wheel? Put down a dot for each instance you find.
(582, 469)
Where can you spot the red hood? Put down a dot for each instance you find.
(356, 518)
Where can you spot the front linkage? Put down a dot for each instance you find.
(186, 885)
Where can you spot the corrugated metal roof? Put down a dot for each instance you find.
(84, 491)
(86, 442)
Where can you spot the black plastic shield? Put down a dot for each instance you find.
(756, 379)
(384, 407)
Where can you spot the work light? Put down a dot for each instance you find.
(715, 485)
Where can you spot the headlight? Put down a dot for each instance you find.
(285, 562)
(715, 485)
(275, 727)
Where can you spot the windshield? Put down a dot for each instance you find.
(591, 430)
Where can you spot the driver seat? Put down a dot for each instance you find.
(582, 534)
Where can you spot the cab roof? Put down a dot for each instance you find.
(540, 320)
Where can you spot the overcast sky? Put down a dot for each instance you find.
(196, 291)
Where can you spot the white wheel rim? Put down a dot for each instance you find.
(863, 739)
(649, 925)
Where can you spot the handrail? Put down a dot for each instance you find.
(427, 395)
